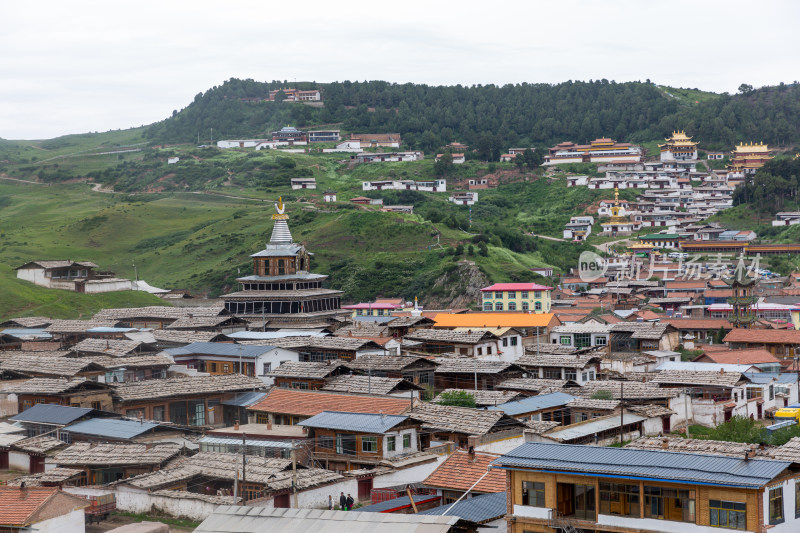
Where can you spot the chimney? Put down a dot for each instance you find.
(269, 426)
(236, 425)
(471, 453)
(665, 443)
(746, 455)
(721, 371)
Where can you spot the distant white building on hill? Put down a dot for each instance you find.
(78, 276)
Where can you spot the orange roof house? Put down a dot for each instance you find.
(462, 469)
(754, 356)
(301, 403)
(22, 507)
(782, 343)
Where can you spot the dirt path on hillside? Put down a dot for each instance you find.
(5, 177)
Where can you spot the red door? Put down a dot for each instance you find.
(281, 501)
(364, 488)
(665, 426)
(37, 464)
(3, 459)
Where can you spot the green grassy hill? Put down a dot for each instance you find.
(201, 241)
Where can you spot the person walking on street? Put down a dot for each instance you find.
(330, 502)
(342, 502)
(350, 502)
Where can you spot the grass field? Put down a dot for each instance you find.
(194, 224)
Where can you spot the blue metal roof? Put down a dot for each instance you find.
(477, 509)
(402, 501)
(245, 399)
(766, 377)
(534, 403)
(266, 335)
(220, 348)
(360, 422)
(379, 319)
(112, 428)
(47, 413)
(27, 332)
(110, 330)
(236, 441)
(654, 465)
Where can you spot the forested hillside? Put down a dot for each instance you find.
(524, 114)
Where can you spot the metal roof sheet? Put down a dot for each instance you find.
(593, 426)
(220, 348)
(258, 443)
(766, 377)
(534, 403)
(245, 399)
(112, 428)
(47, 413)
(263, 335)
(643, 464)
(241, 519)
(361, 422)
(39, 333)
(477, 509)
(394, 503)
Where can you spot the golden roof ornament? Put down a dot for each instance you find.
(281, 210)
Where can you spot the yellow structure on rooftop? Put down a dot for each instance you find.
(747, 158)
(678, 147)
(618, 224)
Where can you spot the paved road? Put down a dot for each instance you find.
(602, 247)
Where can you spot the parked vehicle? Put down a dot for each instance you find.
(101, 506)
(792, 412)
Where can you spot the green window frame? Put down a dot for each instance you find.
(390, 444)
(407, 441)
(369, 444)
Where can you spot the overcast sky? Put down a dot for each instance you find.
(77, 66)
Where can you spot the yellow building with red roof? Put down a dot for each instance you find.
(748, 158)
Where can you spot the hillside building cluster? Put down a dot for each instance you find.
(156, 408)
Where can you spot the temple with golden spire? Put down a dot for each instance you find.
(679, 147)
(617, 224)
(746, 159)
(282, 291)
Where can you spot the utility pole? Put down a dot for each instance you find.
(686, 401)
(236, 484)
(475, 363)
(621, 412)
(294, 475)
(244, 468)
